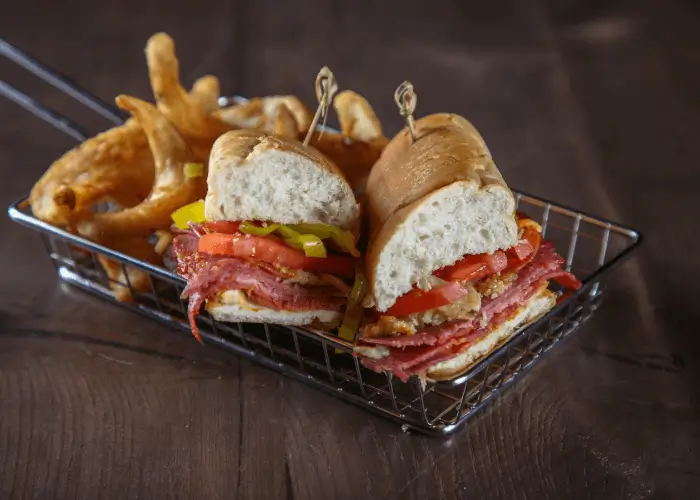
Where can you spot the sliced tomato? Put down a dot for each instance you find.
(568, 280)
(248, 247)
(418, 300)
(524, 251)
(474, 267)
(497, 261)
(533, 239)
(222, 226)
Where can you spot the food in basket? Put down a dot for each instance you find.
(123, 276)
(452, 270)
(115, 165)
(118, 165)
(192, 114)
(179, 180)
(143, 175)
(264, 113)
(272, 241)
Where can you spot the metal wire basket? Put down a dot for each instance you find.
(592, 247)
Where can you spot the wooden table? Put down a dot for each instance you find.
(592, 104)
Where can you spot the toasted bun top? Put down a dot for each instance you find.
(447, 149)
(432, 201)
(255, 176)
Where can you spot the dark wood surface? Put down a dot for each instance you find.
(592, 104)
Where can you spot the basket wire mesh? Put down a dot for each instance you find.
(591, 246)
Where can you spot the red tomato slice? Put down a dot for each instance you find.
(568, 280)
(474, 267)
(524, 251)
(496, 261)
(418, 300)
(248, 247)
(222, 226)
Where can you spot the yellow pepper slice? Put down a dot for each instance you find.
(306, 237)
(354, 311)
(250, 228)
(289, 233)
(343, 238)
(309, 243)
(194, 212)
(193, 170)
(313, 246)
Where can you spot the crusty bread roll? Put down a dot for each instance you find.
(537, 306)
(254, 176)
(432, 201)
(234, 307)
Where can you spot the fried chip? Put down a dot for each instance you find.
(171, 188)
(206, 92)
(284, 124)
(123, 283)
(261, 113)
(116, 164)
(189, 113)
(357, 118)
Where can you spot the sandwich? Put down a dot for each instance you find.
(453, 271)
(274, 239)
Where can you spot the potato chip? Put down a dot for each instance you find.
(206, 92)
(137, 247)
(171, 188)
(284, 123)
(357, 118)
(261, 113)
(116, 165)
(188, 113)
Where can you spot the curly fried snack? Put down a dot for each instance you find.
(357, 118)
(206, 92)
(116, 164)
(191, 114)
(172, 189)
(262, 112)
(137, 247)
(285, 125)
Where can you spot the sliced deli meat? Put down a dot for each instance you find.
(415, 354)
(209, 275)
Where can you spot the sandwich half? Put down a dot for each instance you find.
(453, 271)
(274, 240)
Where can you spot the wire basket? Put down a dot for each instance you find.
(591, 246)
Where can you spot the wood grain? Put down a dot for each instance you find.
(592, 104)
